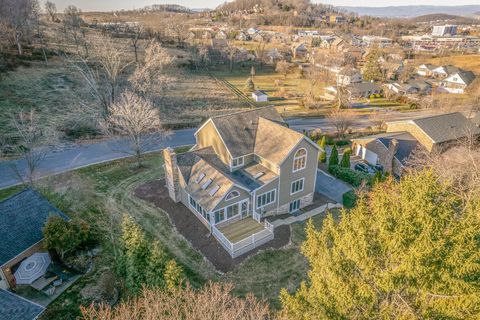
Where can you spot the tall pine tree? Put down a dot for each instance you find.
(409, 250)
(323, 154)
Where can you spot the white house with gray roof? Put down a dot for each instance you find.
(244, 166)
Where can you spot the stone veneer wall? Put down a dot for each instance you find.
(414, 131)
(304, 201)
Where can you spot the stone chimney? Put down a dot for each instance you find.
(392, 150)
(171, 174)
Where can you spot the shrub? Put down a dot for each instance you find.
(341, 143)
(355, 178)
(65, 236)
(333, 160)
(249, 85)
(349, 199)
(323, 154)
(346, 158)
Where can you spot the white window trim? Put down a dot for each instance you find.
(295, 158)
(228, 198)
(238, 165)
(266, 204)
(224, 209)
(300, 190)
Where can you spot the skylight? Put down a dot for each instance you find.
(206, 184)
(258, 175)
(200, 177)
(214, 190)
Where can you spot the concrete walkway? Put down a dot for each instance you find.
(306, 215)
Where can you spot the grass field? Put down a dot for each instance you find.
(286, 97)
(101, 194)
(467, 62)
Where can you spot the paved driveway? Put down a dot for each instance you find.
(330, 186)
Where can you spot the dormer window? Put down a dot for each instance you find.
(237, 162)
(300, 160)
(200, 177)
(206, 184)
(232, 195)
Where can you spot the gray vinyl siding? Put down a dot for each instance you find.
(309, 173)
(224, 203)
(266, 188)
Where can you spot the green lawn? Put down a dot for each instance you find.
(100, 194)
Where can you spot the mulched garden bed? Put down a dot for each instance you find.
(188, 225)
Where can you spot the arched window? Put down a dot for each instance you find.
(300, 160)
(232, 195)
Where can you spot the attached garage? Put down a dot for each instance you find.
(367, 155)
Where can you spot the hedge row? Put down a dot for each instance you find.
(355, 178)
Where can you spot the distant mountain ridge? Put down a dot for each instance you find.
(413, 11)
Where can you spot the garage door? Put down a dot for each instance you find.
(369, 156)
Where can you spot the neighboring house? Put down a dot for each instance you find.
(244, 166)
(354, 91)
(242, 36)
(381, 42)
(426, 70)
(364, 89)
(299, 51)
(274, 55)
(258, 37)
(457, 82)
(348, 76)
(443, 72)
(417, 86)
(259, 96)
(22, 217)
(14, 307)
(393, 148)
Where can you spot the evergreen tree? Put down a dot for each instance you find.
(333, 160)
(323, 154)
(345, 162)
(173, 275)
(249, 85)
(134, 256)
(156, 266)
(372, 70)
(408, 251)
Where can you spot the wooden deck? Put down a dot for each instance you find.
(241, 229)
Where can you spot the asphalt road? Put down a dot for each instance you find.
(58, 160)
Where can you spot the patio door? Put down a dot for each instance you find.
(244, 208)
(294, 206)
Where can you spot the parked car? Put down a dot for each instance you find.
(378, 168)
(363, 167)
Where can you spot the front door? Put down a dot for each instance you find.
(244, 208)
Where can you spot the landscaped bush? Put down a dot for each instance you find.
(355, 178)
(66, 236)
(349, 199)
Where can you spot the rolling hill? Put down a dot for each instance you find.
(413, 11)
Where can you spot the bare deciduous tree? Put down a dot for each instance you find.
(102, 72)
(152, 71)
(282, 67)
(379, 118)
(16, 19)
(30, 137)
(137, 119)
(51, 10)
(341, 119)
(213, 301)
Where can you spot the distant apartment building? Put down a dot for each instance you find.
(448, 29)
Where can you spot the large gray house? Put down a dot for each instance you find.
(244, 166)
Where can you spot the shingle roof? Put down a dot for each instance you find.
(364, 87)
(406, 144)
(467, 76)
(274, 141)
(238, 130)
(446, 127)
(13, 307)
(22, 217)
(194, 163)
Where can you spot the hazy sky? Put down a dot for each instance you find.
(108, 5)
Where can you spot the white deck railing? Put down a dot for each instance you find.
(249, 243)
